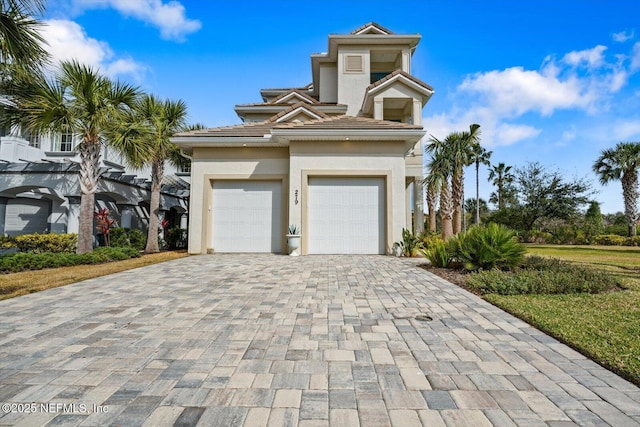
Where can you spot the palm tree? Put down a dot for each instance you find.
(150, 125)
(440, 174)
(21, 45)
(461, 152)
(479, 155)
(500, 176)
(622, 163)
(81, 101)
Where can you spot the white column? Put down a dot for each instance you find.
(407, 198)
(378, 109)
(417, 112)
(418, 203)
(3, 213)
(73, 214)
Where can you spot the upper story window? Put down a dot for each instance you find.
(379, 75)
(64, 142)
(32, 138)
(184, 167)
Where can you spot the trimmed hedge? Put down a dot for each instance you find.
(542, 276)
(23, 261)
(41, 243)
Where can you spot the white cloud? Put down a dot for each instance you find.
(592, 58)
(169, 17)
(515, 91)
(623, 36)
(67, 40)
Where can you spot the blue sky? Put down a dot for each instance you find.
(548, 81)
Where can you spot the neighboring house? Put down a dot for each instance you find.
(40, 190)
(340, 157)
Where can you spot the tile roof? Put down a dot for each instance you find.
(372, 24)
(347, 122)
(296, 91)
(294, 107)
(396, 73)
(252, 129)
(272, 104)
(259, 129)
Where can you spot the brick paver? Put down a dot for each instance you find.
(267, 340)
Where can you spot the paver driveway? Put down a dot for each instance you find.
(223, 340)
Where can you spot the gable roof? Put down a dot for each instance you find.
(371, 28)
(398, 77)
(394, 75)
(294, 93)
(294, 110)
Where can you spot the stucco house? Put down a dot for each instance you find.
(341, 157)
(40, 189)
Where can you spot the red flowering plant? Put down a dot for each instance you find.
(105, 222)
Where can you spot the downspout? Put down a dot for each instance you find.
(186, 156)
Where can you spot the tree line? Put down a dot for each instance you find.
(529, 198)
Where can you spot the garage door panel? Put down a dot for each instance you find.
(247, 216)
(26, 216)
(346, 215)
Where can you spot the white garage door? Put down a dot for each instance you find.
(26, 216)
(346, 216)
(247, 216)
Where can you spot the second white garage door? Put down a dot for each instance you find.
(346, 216)
(247, 216)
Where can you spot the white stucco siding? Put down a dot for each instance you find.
(352, 85)
(210, 164)
(328, 83)
(345, 159)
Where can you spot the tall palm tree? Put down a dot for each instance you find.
(81, 101)
(440, 174)
(21, 45)
(151, 124)
(622, 163)
(461, 152)
(479, 155)
(500, 176)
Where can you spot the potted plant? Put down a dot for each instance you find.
(293, 239)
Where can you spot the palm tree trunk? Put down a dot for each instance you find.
(157, 172)
(477, 221)
(89, 175)
(630, 195)
(456, 196)
(446, 211)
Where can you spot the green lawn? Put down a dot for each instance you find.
(605, 327)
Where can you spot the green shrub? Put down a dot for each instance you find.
(437, 253)
(23, 261)
(617, 229)
(40, 243)
(542, 276)
(484, 248)
(127, 238)
(176, 238)
(610, 240)
(410, 244)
